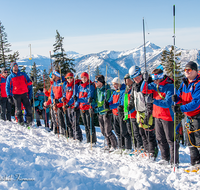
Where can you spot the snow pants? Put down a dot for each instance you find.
(73, 118)
(165, 137)
(132, 125)
(149, 139)
(120, 128)
(5, 109)
(105, 123)
(86, 121)
(194, 140)
(22, 98)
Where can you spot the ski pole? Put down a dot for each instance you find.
(30, 58)
(90, 112)
(74, 109)
(174, 91)
(105, 99)
(146, 82)
(44, 100)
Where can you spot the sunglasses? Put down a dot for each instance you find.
(69, 77)
(5, 72)
(96, 81)
(188, 70)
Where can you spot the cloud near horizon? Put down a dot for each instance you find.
(186, 38)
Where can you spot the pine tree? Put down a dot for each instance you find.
(61, 62)
(4, 47)
(97, 71)
(35, 75)
(167, 60)
(13, 57)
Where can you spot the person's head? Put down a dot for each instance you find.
(157, 75)
(14, 67)
(135, 73)
(4, 72)
(116, 83)
(55, 76)
(128, 80)
(191, 70)
(84, 77)
(70, 77)
(99, 81)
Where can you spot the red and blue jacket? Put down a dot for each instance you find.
(57, 92)
(189, 95)
(18, 83)
(69, 91)
(133, 112)
(116, 99)
(162, 98)
(3, 86)
(84, 92)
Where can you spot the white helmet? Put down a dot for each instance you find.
(134, 71)
(116, 80)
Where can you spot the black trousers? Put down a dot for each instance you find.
(5, 109)
(74, 127)
(194, 140)
(165, 137)
(132, 125)
(86, 121)
(120, 128)
(22, 98)
(105, 123)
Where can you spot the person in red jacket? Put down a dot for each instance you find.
(19, 90)
(5, 104)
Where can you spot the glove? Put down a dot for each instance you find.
(63, 99)
(174, 98)
(106, 105)
(56, 101)
(75, 108)
(176, 109)
(91, 111)
(146, 76)
(10, 99)
(130, 107)
(90, 100)
(66, 106)
(75, 98)
(120, 109)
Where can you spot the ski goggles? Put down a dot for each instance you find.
(70, 77)
(135, 74)
(188, 70)
(157, 76)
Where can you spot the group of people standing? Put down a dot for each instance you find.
(140, 109)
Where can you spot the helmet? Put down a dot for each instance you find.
(127, 76)
(134, 71)
(116, 80)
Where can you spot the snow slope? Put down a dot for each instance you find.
(37, 159)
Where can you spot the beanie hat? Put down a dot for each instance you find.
(56, 73)
(191, 65)
(116, 80)
(127, 76)
(84, 74)
(69, 75)
(3, 69)
(134, 71)
(12, 65)
(100, 78)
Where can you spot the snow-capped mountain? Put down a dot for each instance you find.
(115, 60)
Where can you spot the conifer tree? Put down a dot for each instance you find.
(4, 47)
(97, 71)
(35, 75)
(60, 58)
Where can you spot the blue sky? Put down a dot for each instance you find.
(91, 26)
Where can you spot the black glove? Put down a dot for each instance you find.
(75, 108)
(130, 107)
(75, 98)
(176, 109)
(90, 100)
(66, 106)
(146, 76)
(10, 99)
(91, 111)
(120, 109)
(106, 105)
(174, 98)
(56, 101)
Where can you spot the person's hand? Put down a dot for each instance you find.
(75, 98)
(106, 105)
(176, 109)
(145, 76)
(10, 99)
(89, 100)
(174, 98)
(55, 101)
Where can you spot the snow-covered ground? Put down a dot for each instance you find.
(37, 159)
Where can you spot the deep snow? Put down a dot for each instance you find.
(37, 159)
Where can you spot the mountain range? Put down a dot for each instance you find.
(115, 60)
